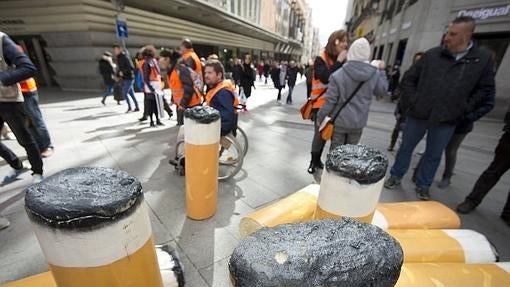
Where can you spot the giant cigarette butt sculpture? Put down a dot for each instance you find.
(202, 137)
(415, 215)
(454, 274)
(301, 205)
(94, 229)
(448, 245)
(327, 252)
(351, 183)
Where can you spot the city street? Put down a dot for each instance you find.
(86, 133)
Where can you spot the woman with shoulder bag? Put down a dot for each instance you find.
(330, 60)
(350, 93)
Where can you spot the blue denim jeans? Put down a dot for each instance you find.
(37, 128)
(438, 136)
(127, 90)
(109, 91)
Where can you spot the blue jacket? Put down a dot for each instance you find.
(14, 57)
(223, 102)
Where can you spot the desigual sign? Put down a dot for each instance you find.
(485, 13)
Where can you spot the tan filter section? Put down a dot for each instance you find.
(454, 275)
(201, 180)
(166, 266)
(416, 215)
(322, 214)
(299, 206)
(137, 269)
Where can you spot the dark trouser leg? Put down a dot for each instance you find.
(108, 91)
(38, 129)
(343, 138)
(450, 154)
(146, 104)
(8, 155)
(131, 92)
(14, 115)
(167, 108)
(308, 89)
(317, 143)
(437, 140)
(394, 134)
(414, 131)
(289, 96)
(279, 94)
(180, 117)
(126, 86)
(499, 165)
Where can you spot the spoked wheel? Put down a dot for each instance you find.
(242, 138)
(230, 158)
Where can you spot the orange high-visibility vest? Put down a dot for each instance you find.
(176, 86)
(28, 86)
(225, 84)
(191, 54)
(319, 87)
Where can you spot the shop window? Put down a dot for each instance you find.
(497, 43)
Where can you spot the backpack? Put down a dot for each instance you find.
(198, 84)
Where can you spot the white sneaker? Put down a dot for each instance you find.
(36, 178)
(15, 173)
(4, 223)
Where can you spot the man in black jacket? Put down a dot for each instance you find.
(490, 177)
(440, 91)
(126, 71)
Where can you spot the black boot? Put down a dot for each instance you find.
(315, 163)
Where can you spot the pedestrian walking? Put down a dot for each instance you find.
(292, 72)
(443, 87)
(126, 72)
(107, 70)
(37, 126)
(267, 70)
(275, 77)
(151, 76)
(236, 72)
(260, 70)
(138, 72)
(180, 82)
(393, 86)
(309, 78)
(499, 166)
(15, 67)
(247, 79)
(350, 92)
(331, 59)
(399, 113)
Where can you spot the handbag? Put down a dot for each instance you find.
(327, 125)
(306, 109)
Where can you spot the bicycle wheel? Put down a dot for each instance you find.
(242, 138)
(230, 159)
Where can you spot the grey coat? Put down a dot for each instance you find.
(341, 85)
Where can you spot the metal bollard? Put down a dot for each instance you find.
(94, 229)
(351, 183)
(202, 136)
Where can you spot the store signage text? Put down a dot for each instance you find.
(484, 13)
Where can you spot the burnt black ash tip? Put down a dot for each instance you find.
(83, 197)
(358, 162)
(317, 253)
(202, 114)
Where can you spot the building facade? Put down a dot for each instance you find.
(401, 28)
(65, 38)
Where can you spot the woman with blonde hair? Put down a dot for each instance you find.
(331, 59)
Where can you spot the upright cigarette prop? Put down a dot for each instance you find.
(202, 137)
(351, 183)
(454, 274)
(94, 229)
(317, 253)
(448, 245)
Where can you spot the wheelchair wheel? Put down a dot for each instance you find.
(242, 139)
(230, 159)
